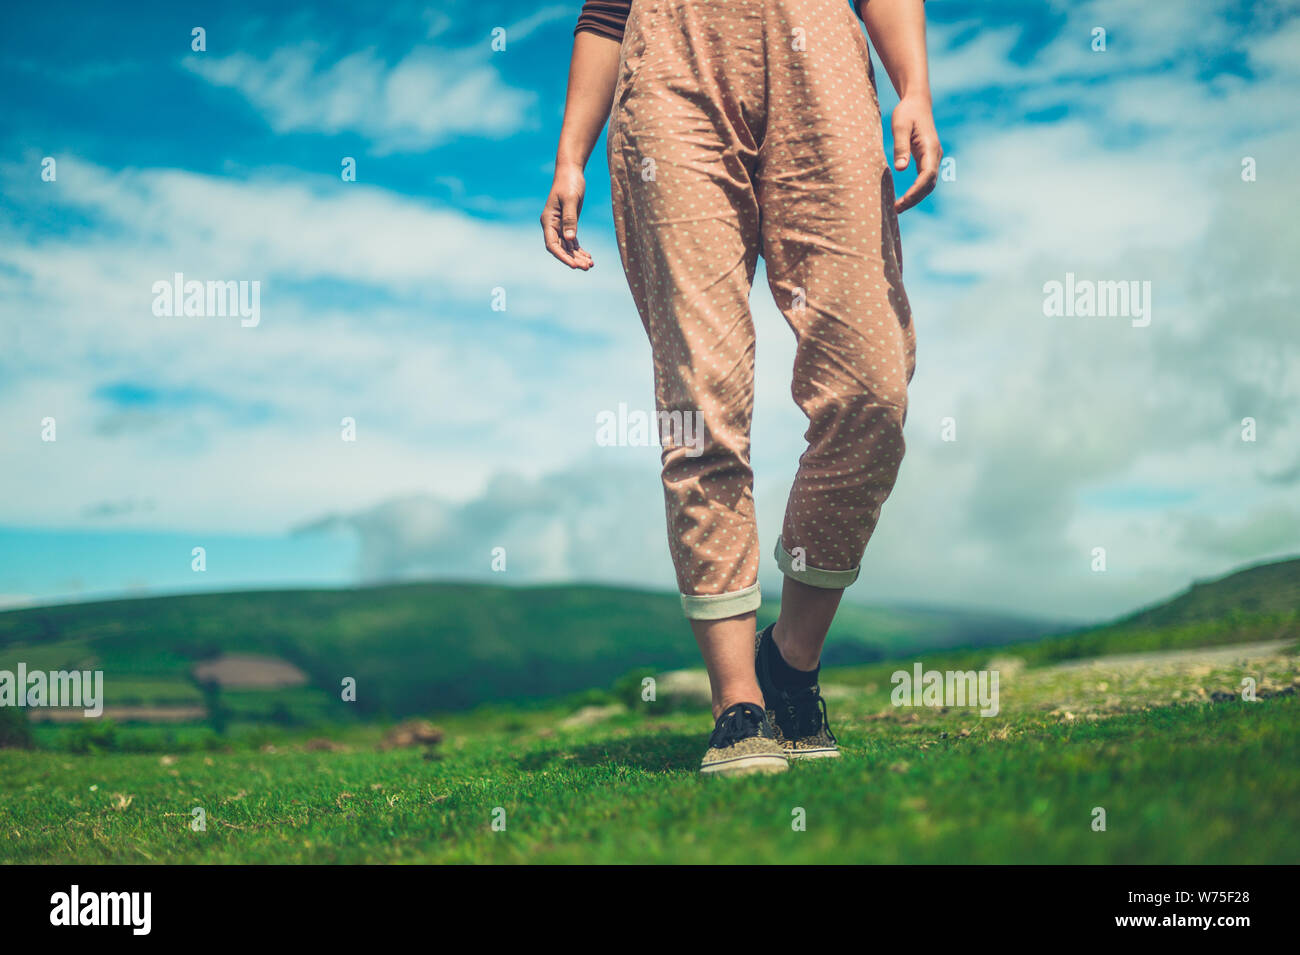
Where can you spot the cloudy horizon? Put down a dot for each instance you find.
(1165, 435)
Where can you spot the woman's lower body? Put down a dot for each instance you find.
(740, 128)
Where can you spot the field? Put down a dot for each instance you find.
(1182, 777)
(1144, 719)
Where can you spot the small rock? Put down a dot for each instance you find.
(320, 744)
(591, 715)
(685, 686)
(412, 733)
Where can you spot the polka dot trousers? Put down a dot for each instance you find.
(747, 127)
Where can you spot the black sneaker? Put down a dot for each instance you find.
(743, 742)
(799, 715)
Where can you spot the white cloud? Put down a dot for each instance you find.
(445, 390)
(422, 100)
(427, 97)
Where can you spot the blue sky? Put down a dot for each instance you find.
(475, 427)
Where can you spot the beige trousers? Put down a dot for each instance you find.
(747, 127)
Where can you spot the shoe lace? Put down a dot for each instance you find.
(741, 721)
(806, 712)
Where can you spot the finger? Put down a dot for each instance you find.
(551, 235)
(570, 209)
(929, 153)
(902, 129)
(927, 162)
(569, 220)
(919, 190)
(558, 247)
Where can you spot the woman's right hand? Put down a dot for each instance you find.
(560, 217)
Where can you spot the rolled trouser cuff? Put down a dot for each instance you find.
(814, 576)
(718, 606)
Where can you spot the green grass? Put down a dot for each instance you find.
(1186, 770)
(1180, 782)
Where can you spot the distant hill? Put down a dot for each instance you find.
(862, 633)
(420, 647)
(1264, 589)
(446, 646)
(1256, 604)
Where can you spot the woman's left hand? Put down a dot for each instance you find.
(915, 135)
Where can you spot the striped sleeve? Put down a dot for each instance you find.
(604, 17)
(608, 17)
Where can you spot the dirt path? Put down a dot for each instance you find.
(1180, 659)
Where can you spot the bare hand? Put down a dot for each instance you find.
(560, 218)
(915, 135)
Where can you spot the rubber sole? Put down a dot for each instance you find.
(813, 754)
(745, 765)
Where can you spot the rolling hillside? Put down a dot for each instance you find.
(1164, 740)
(1261, 590)
(447, 646)
(1257, 603)
(417, 647)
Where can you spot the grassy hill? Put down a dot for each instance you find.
(419, 647)
(425, 647)
(1262, 590)
(1257, 603)
(1185, 768)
